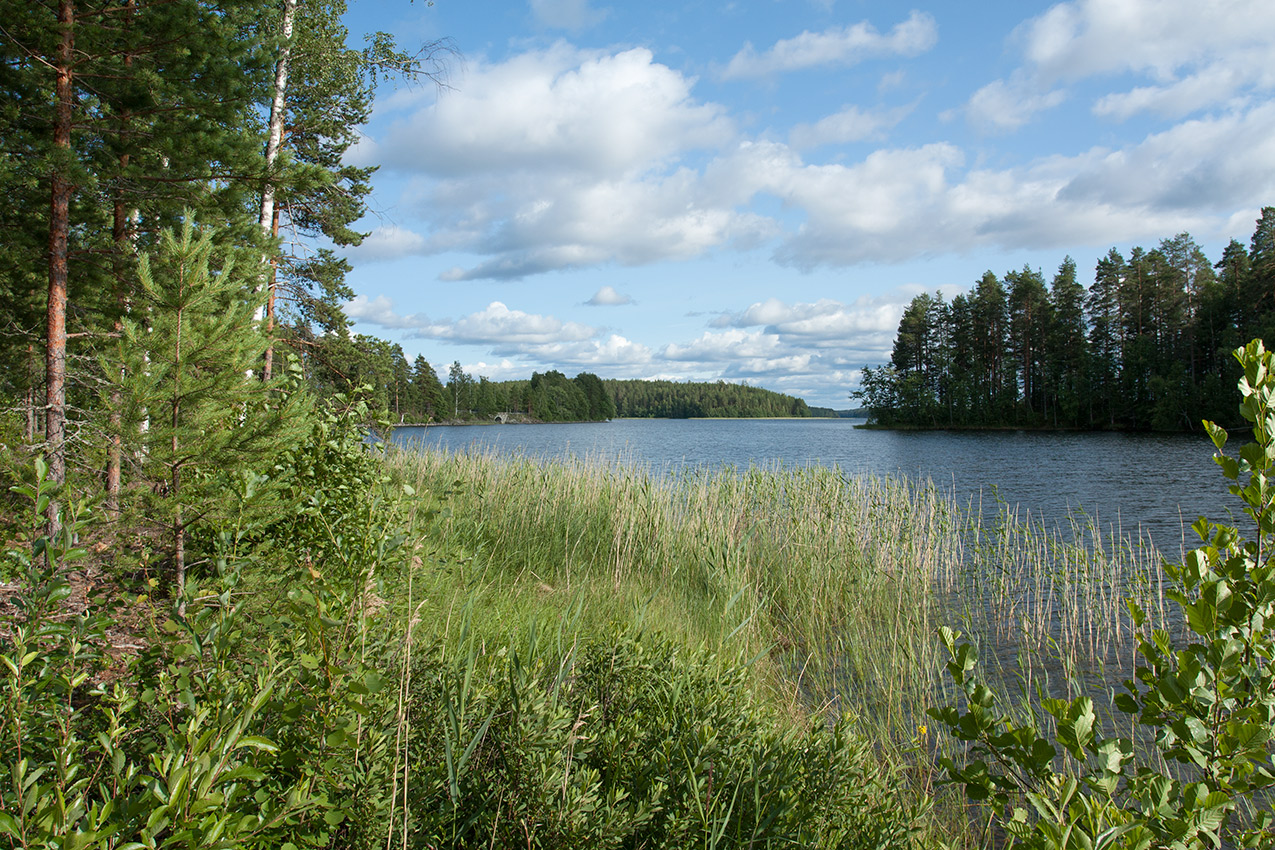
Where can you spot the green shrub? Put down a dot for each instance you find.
(95, 765)
(630, 743)
(223, 731)
(1210, 703)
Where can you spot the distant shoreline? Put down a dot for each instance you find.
(458, 423)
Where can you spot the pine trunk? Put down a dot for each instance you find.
(59, 237)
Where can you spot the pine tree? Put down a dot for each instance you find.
(458, 388)
(1067, 359)
(116, 114)
(1029, 321)
(429, 390)
(1106, 337)
(990, 318)
(187, 354)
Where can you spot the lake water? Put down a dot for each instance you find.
(1147, 483)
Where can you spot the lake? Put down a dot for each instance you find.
(1138, 483)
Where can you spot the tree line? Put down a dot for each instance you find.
(415, 394)
(681, 400)
(418, 396)
(1145, 347)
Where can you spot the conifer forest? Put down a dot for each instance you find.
(1145, 346)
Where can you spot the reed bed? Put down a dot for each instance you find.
(1056, 599)
(835, 584)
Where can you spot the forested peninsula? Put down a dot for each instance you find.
(1147, 346)
(416, 396)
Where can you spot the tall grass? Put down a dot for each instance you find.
(836, 584)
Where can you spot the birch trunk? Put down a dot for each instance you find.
(274, 141)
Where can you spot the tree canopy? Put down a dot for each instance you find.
(1145, 347)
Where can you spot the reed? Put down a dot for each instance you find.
(836, 584)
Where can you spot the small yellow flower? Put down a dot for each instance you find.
(922, 729)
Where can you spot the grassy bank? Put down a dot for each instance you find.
(834, 586)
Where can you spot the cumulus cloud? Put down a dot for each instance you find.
(1191, 55)
(576, 223)
(607, 296)
(495, 324)
(498, 325)
(826, 323)
(811, 349)
(725, 346)
(1173, 100)
(1192, 166)
(619, 356)
(851, 124)
(904, 203)
(566, 159)
(559, 110)
(838, 46)
(1159, 38)
(1002, 106)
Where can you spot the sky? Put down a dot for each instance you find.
(753, 190)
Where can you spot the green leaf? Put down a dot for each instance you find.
(257, 742)
(1216, 433)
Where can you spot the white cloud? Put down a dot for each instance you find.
(574, 223)
(838, 46)
(389, 242)
(504, 370)
(900, 204)
(1154, 37)
(1210, 87)
(851, 124)
(607, 296)
(725, 347)
(380, 311)
(560, 110)
(574, 15)
(619, 356)
(1002, 106)
(496, 324)
(565, 158)
(809, 348)
(827, 322)
(1192, 167)
(1193, 54)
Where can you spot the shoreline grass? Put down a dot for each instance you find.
(834, 585)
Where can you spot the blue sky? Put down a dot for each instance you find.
(753, 190)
